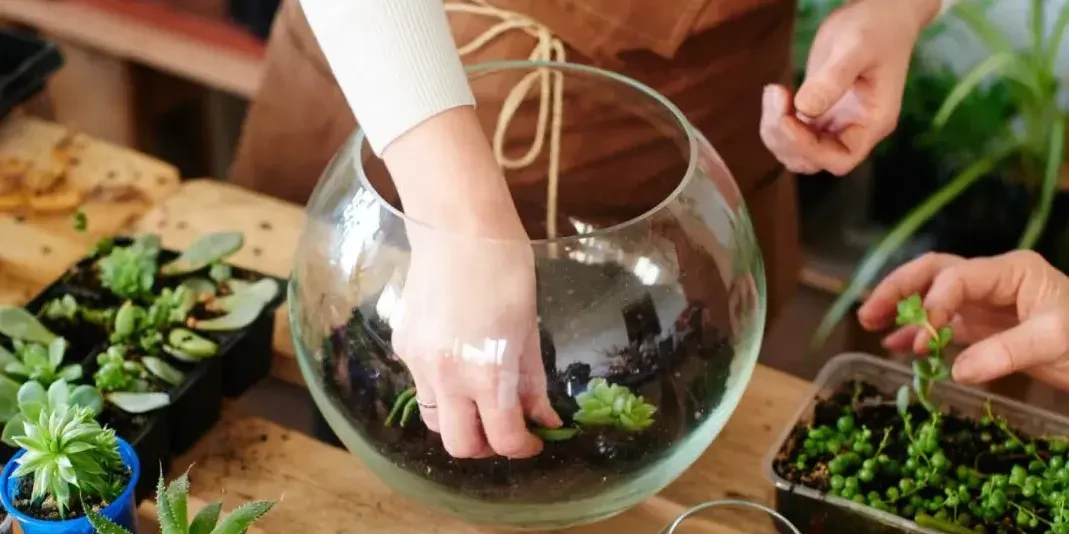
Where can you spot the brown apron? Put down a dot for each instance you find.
(711, 58)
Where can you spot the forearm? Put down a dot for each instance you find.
(397, 65)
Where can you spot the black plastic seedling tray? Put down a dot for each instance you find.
(26, 62)
(244, 358)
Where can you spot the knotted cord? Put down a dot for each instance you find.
(551, 93)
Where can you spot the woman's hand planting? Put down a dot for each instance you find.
(1013, 311)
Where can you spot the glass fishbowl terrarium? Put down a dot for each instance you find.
(648, 289)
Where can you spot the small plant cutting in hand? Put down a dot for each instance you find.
(68, 465)
(173, 513)
(920, 461)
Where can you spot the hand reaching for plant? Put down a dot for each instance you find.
(468, 333)
(1013, 311)
(852, 93)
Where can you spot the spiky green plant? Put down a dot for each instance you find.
(68, 453)
(172, 511)
(1036, 150)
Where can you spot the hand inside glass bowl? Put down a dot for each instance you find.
(468, 328)
(468, 333)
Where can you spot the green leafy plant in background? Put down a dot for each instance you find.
(172, 511)
(1034, 152)
(68, 453)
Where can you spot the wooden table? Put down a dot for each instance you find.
(326, 490)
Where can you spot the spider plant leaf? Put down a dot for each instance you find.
(1057, 36)
(206, 519)
(246, 309)
(163, 370)
(975, 17)
(207, 250)
(137, 403)
(103, 525)
(243, 517)
(17, 323)
(876, 259)
(1052, 173)
(199, 286)
(994, 65)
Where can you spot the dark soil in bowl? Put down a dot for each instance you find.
(964, 441)
(682, 371)
(47, 510)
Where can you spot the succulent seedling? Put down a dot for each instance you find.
(926, 371)
(207, 250)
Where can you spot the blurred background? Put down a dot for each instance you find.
(173, 78)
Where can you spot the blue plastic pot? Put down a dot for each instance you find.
(121, 511)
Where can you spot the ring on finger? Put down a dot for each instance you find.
(426, 405)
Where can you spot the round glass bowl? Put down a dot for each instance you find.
(651, 285)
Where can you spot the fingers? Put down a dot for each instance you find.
(506, 431)
(825, 84)
(880, 309)
(796, 144)
(534, 395)
(462, 434)
(1037, 341)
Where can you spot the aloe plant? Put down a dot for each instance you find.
(1036, 150)
(172, 511)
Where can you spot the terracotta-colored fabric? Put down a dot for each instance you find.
(710, 57)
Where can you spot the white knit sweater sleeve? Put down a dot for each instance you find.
(395, 61)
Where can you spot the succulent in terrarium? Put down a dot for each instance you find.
(603, 404)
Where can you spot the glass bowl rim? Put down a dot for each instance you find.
(357, 142)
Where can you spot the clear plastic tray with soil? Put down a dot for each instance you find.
(866, 387)
(675, 360)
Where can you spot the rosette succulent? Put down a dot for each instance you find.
(130, 272)
(603, 404)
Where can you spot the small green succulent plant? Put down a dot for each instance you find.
(32, 398)
(35, 361)
(172, 510)
(603, 404)
(130, 272)
(68, 453)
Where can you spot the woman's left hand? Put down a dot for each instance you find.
(852, 93)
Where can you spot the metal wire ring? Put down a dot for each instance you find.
(670, 529)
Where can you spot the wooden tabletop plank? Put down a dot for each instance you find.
(115, 186)
(327, 490)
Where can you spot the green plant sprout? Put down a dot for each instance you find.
(172, 511)
(68, 453)
(207, 250)
(1036, 148)
(80, 221)
(926, 371)
(67, 308)
(130, 272)
(240, 308)
(33, 361)
(128, 383)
